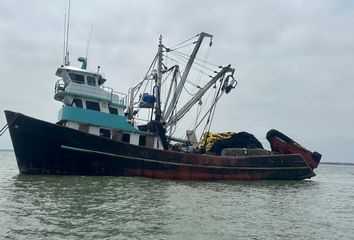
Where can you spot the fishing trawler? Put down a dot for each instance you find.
(101, 132)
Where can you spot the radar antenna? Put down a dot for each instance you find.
(66, 61)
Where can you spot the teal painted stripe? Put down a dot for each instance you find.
(92, 117)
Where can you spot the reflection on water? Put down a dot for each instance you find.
(79, 207)
(67, 206)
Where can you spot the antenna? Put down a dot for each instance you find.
(64, 47)
(89, 41)
(66, 34)
(83, 60)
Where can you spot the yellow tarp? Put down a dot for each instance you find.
(209, 138)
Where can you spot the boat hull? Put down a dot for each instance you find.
(45, 148)
(281, 143)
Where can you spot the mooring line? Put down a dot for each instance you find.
(8, 124)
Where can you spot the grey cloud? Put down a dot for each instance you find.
(293, 58)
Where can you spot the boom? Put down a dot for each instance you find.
(174, 119)
(179, 89)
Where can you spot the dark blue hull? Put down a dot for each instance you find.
(45, 148)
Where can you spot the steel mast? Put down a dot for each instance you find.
(179, 89)
(158, 81)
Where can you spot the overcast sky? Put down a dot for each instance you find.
(293, 59)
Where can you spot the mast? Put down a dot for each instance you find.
(179, 89)
(158, 81)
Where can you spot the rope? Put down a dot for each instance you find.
(184, 60)
(191, 94)
(203, 67)
(196, 59)
(174, 49)
(8, 124)
(147, 73)
(211, 113)
(200, 63)
(264, 142)
(185, 41)
(201, 109)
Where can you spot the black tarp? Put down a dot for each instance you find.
(237, 140)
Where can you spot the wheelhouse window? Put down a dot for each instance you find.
(77, 78)
(101, 80)
(149, 141)
(77, 103)
(84, 128)
(113, 110)
(142, 140)
(105, 133)
(93, 106)
(126, 137)
(116, 135)
(91, 81)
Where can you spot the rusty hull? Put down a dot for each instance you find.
(45, 148)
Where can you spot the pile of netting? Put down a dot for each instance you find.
(216, 142)
(209, 138)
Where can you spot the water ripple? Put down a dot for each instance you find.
(79, 207)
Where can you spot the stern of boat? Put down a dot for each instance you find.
(281, 143)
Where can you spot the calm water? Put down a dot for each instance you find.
(74, 207)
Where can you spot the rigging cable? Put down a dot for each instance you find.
(196, 59)
(147, 73)
(203, 65)
(185, 60)
(174, 49)
(8, 124)
(212, 111)
(189, 93)
(173, 84)
(200, 72)
(185, 41)
(201, 109)
(138, 86)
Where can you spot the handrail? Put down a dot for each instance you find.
(59, 86)
(122, 97)
(111, 95)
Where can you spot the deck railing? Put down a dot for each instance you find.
(107, 94)
(114, 95)
(59, 86)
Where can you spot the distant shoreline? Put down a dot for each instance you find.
(6, 150)
(336, 163)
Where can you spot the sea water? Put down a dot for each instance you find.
(82, 207)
